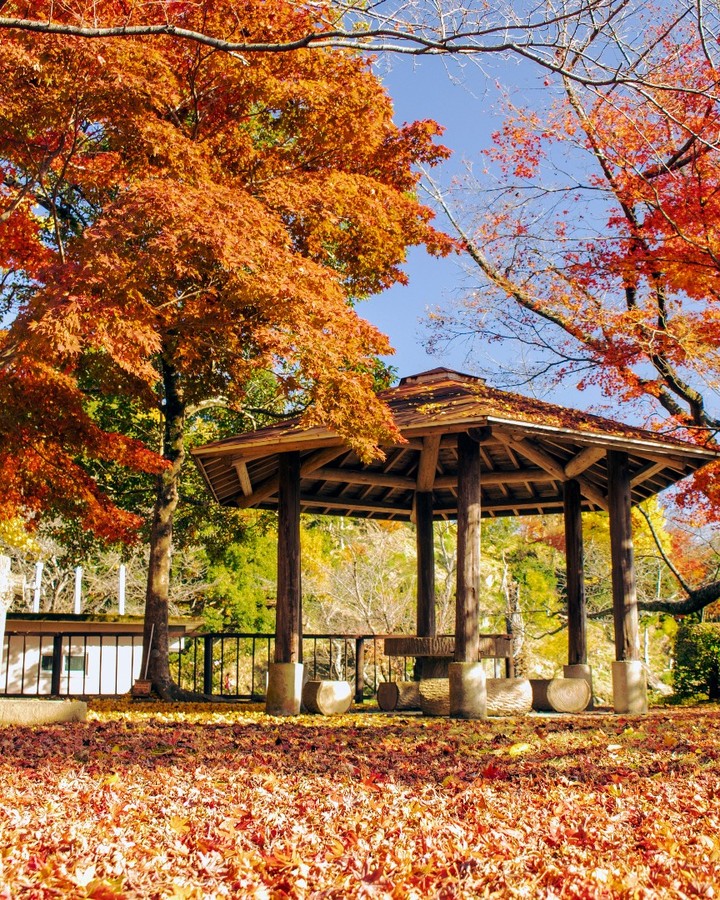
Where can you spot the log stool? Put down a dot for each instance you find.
(566, 695)
(401, 696)
(328, 698)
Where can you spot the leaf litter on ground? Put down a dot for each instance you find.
(156, 801)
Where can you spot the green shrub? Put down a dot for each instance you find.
(697, 660)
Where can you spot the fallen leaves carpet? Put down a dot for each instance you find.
(149, 801)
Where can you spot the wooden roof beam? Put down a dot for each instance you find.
(374, 479)
(516, 476)
(668, 462)
(553, 467)
(243, 477)
(647, 472)
(584, 459)
(271, 485)
(428, 463)
(351, 506)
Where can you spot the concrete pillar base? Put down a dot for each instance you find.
(468, 690)
(580, 670)
(629, 687)
(284, 690)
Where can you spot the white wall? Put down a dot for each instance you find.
(110, 665)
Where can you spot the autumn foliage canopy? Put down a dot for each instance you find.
(169, 208)
(597, 240)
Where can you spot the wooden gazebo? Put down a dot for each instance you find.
(469, 451)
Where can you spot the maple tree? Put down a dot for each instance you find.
(187, 803)
(598, 255)
(201, 219)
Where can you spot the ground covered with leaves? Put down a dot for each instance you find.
(148, 801)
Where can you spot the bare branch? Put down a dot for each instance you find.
(576, 40)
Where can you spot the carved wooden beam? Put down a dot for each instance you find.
(428, 463)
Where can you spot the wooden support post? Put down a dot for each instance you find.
(288, 619)
(577, 612)
(625, 612)
(467, 598)
(425, 565)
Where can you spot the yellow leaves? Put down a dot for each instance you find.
(520, 749)
(336, 850)
(179, 825)
(14, 533)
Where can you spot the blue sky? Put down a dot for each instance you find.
(466, 101)
(460, 100)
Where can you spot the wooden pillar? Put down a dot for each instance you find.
(625, 612)
(575, 574)
(425, 564)
(288, 619)
(468, 551)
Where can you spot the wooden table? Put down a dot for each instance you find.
(434, 654)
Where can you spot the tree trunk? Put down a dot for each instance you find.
(156, 636)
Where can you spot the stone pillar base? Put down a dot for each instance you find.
(468, 691)
(629, 687)
(580, 670)
(284, 690)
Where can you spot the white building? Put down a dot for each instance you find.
(92, 655)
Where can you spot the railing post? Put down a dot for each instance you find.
(359, 669)
(56, 665)
(208, 664)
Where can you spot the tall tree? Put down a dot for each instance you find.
(207, 218)
(599, 253)
(602, 241)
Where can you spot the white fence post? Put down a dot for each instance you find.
(38, 584)
(78, 590)
(5, 598)
(121, 590)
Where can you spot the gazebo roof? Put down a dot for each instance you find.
(528, 449)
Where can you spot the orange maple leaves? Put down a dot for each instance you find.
(141, 803)
(606, 229)
(164, 199)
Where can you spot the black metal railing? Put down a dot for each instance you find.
(227, 664)
(235, 664)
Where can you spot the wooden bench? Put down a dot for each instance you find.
(434, 654)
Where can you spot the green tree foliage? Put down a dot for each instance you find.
(241, 591)
(697, 660)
